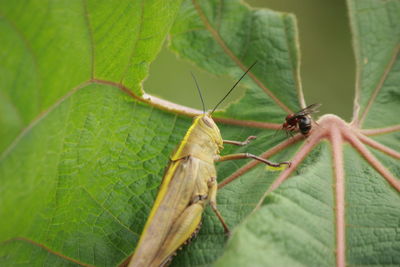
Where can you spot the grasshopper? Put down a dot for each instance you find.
(189, 184)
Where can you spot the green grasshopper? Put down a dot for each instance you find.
(189, 184)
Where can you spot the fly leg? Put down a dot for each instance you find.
(239, 143)
(290, 131)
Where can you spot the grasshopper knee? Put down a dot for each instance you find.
(198, 198)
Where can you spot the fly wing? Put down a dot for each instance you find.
(313, 108)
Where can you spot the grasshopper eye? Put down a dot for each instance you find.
(209, 122)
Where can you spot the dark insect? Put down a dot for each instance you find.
(300, 119)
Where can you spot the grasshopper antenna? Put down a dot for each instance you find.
(198, 89)
(233, 87)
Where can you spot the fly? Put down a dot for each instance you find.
(300, 120)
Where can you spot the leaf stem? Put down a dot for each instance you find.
(308, 145)
(338, 168)
(375, 163)
(378, 146)
(378, 131)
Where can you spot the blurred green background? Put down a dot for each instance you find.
(327, 61)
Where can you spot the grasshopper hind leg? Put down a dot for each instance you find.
(168, 261)
(185, 227)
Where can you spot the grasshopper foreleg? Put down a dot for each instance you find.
(248, 155)
(239, 143)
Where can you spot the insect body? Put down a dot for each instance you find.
(189, 184)
(300, 119)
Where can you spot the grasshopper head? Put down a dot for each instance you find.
(208, 125)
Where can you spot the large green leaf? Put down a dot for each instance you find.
(376, 30)
(340, 210)
(52, 54)
(50, 47)
(221, 38)
(78, 182)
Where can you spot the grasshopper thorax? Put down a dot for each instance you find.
(203, 140)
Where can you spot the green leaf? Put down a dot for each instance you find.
(51, 47)
(340, 210)
(53, 55)
(78, 183)
(376, 30)
(236, 35)
(296, 225)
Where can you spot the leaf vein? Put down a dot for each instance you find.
(109, 212)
